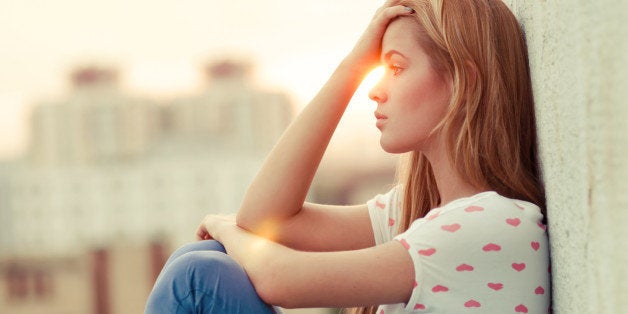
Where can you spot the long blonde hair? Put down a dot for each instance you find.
(490, 124)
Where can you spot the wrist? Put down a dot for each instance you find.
(221, 231)
(359, 67)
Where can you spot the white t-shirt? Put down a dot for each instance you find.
(481, 254)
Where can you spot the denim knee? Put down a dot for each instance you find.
(203, 265)
(198, 280)
(207, 245)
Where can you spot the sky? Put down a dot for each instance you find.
(159, 47)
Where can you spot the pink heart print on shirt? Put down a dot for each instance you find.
(472, 303)
(427, 252)
(518, 266)
(419, 306)
(464, 267)
(542, 226)
(391, 222)
(521, 309)
(439, 288)
(380, 204)
(535, 245)
(513, 221)
(451, 228)
(491, 247)
(495, 285)
(405, 244)
(539, 290)
(433, 216)
(472, 209)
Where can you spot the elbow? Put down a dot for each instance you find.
(274, 282)
(274, 293)
(249, 222)
(248, 219)
(243, 221)
(262, 226)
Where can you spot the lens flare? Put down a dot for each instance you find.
(362, 94)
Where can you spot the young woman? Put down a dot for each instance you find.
(462, 231)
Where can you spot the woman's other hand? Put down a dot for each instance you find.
(366, 51)
(212, 224)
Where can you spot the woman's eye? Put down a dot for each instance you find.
(395, 69)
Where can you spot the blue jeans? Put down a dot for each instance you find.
(201, 278)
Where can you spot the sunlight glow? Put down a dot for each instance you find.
(361, 96)
(268, 233)
(268, 230)
(372, 78)
(258, 245)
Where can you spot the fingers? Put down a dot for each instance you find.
(385, 15)
(366, 52)
(209, 223)
(201, 233)
(388, 13)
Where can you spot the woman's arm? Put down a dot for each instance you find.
(288, 278)
(278, 192)
(326, 228)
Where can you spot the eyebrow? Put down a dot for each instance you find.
(392, 52)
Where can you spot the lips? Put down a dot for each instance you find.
(380, 116)
(380, 120)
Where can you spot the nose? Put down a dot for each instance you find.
(377, 93)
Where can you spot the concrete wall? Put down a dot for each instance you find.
(579, 62)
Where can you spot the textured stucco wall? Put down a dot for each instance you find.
(579, 62)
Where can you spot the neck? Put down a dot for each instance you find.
(450, 183)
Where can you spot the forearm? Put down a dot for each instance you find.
(262, 259)
(289, 278)
(280, 188)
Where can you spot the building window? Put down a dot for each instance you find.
(25, 282)
(43, 284)
(17, 282)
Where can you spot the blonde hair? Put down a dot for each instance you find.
(490, 124)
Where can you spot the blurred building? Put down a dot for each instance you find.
(113, 182)
(114, 279)
(105, 166)
(109, 173)
(230, 114)
(97, 122)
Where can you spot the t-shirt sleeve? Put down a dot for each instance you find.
(384, 211)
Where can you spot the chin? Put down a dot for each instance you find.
(394, 149)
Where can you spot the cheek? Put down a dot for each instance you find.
(423, 109)
(425, 86)
(427, 102)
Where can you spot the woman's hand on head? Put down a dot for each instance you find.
(211, 226)
(367, 50)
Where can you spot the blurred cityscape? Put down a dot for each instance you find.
(112, 183)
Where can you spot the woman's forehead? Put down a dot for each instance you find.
(401, 34)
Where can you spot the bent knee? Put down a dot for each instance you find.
(207, 245)
(206, 263)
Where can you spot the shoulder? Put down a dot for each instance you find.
(482, 210)
(484, 223)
